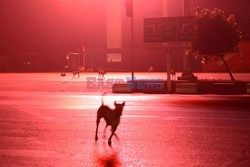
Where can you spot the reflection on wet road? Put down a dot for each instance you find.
(57, 129)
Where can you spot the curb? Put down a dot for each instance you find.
(248, 88)
(186, 88)
(121, 88)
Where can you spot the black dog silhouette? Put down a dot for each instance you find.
(111, 116)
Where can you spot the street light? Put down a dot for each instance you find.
(130, 13)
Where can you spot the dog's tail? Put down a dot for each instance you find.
(102, 97)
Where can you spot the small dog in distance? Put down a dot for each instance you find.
(76, 72)
(101, 74)
(111, 116)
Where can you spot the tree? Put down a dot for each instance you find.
(215, 35)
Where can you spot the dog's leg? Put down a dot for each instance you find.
(104, 132)
(97, 125)
(112, 134)
(110, 139)
(116, 136)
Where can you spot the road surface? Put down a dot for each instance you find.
(46, 125)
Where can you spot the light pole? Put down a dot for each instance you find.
(168, 49)
(186, 12)
(132, 49)
(187, 72)
(130, 13)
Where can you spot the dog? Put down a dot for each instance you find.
(101, 74)
(77, 72)
(111, 116)
(173, 73)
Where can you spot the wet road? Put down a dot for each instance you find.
(46, 120)
(57, 129)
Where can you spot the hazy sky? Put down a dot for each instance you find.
(65, 25)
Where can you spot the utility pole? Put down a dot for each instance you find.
(84, 58)
(132, 49)
(187, 72)
(130, 13)
(168, 50)
(186, 12)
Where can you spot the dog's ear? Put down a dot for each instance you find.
(123, 103)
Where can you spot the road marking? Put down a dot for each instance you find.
(126, 116)
(32, 153)
(174, 118)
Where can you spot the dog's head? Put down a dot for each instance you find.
(119, 107)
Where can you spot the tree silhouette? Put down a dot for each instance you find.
(215, 35)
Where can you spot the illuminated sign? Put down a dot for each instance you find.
(114, 58)
(152, 30)
(168, 29)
